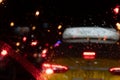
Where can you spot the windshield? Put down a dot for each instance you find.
(33, 32)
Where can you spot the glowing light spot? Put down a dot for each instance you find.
(60, 33)
(51, 47)
(116, 10)
(1, 1)
(4, 52)
(60, 26)
(118, 43)
(17, 50)
(24, 39)
(57, 43)
(48, 30)
(12, 24)
(89, 55)
(44, 51)
(32, 36)
(35, 55)
(105, 38)
(34, 43)
(34, 27)
(118, 26)
(18, 44)
(49, 71)
(37, 13)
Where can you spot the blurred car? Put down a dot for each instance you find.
(14, 66)
(86, 53)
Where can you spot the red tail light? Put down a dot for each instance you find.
(44, 53)
(52, 68)
(89, 55)
(116, 9)
(115, 70)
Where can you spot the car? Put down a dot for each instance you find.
(13, 66)
(59, 40)
(84, 56)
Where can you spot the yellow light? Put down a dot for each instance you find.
(33, 28)
(51, 47)
(18, 44)
(37, 13)
(1, 1)
(12, 24)
(35, 55)
(60, 26)
(118, 26)
(48, 30)
(60, 33)
(118, 43)
(17, 50)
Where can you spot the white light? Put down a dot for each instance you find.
(81, 34)
(89, 53)
(49, 71)
(44, 51)
(37, 13)
(4, 52)
(115, 68)
(34, 43)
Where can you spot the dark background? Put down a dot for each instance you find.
(54, 12)
(23, 10)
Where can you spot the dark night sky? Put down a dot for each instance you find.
(19, 9)
(22, 11)
(69, 12)
(59, 7)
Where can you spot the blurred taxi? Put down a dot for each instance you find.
(86, 53)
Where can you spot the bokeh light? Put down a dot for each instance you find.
(118, 25)
(12, 24)
(59, 26)
(1, 1)
(18, 44)
(37, 13)
(34, 27)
